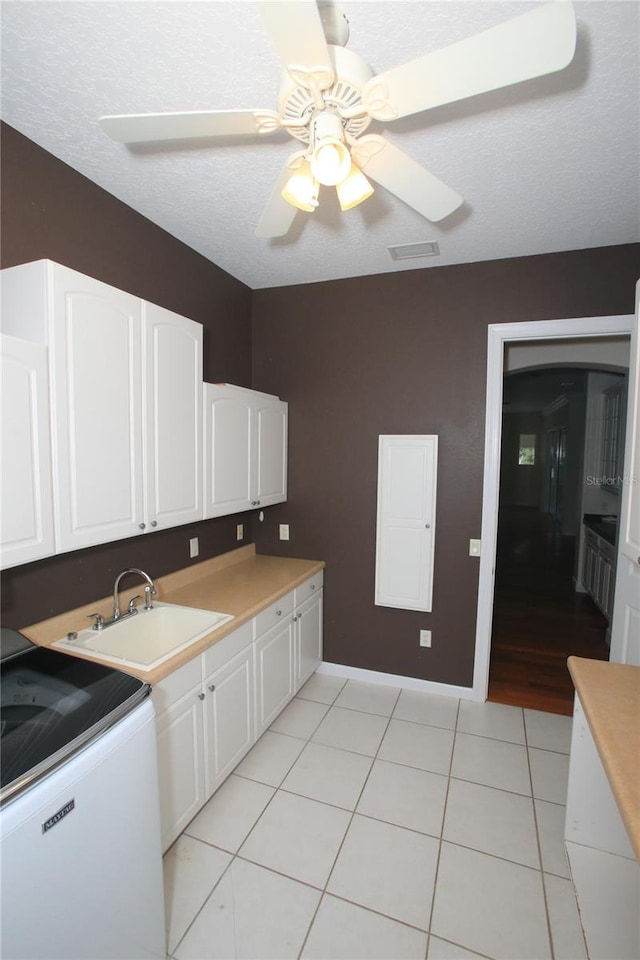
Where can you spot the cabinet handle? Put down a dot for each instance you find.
(201, 696)
(638, 559)
(154, 523)
(313, 586)
(212, 687)
(142, 526)
(294, 619)
(427, 526)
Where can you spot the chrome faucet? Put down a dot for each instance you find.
(149, 591)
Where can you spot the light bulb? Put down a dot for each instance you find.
(330, 162)
(301, 189)
(354, 189)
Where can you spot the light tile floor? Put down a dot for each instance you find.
(380, 824)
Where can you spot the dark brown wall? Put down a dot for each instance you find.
(403, 353)
(50, 211)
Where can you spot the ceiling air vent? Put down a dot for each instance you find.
(408, 251)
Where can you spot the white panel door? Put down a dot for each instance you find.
(270, 431)
(228, 449)
(173, 417)
(26, 518)
(407, 467)
(96, 410)
(625, 628)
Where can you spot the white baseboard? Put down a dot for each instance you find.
(393, 680)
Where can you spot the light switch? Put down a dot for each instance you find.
(474, 548)
(284, 531)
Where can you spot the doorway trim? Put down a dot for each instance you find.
(500, 334)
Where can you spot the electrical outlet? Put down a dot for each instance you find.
(425, 638)
(194, 547)
(474, 548)
(284, 531)
(239, 531)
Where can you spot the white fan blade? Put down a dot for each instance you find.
(278, 214)
(535, 43)
(296, 30)
(146, 127)
(402, 176)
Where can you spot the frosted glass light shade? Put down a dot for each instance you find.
(354, 189)
(301, 189)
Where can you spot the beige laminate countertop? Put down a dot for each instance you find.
(241, 583)
(610, 696)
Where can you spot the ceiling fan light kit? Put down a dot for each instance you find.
(328, 97)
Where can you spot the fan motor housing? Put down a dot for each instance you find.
(297, 105)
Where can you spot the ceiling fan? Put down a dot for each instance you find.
(328, 97)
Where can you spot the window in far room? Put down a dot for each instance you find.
(527, 450)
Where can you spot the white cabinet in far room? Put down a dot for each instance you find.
(245, 449)
(26, 519)
(125, 388)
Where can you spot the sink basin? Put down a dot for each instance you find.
(148, 639)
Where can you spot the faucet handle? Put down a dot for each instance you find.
(132, 604)
(99, 620)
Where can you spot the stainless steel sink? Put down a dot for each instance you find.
(148, 639)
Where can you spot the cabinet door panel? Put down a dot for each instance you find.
(308, 638)
(273, 673)
(97, 411)
(228, 450)
(173, 392)
(270, 417)
(26, 518)
(180, 765)
(229, 723)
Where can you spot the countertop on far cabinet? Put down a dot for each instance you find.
(610, 696)
(240, 582)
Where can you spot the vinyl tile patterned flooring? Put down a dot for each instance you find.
(370, 822)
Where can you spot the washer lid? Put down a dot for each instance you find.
(52, 705)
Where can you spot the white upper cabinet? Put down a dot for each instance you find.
(245, 449)
(26, 518)
(172, 348)
(407, 470)
(125, 403)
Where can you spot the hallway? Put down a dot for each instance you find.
(538, 618)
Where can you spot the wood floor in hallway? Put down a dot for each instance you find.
(538, 618)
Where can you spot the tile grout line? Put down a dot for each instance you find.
(441, 840)
(353, 813)
(538, 843)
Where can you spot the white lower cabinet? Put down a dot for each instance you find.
(274, 664)
(212, 710)
(229, 732)
(181, 750)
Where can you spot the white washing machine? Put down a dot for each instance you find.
(80, 849)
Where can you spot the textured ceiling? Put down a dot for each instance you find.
(549, 165)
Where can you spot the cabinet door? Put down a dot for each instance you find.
(94, 338)
(181, 770)
(308, 618)
(26, 519)
(273, 671)
(229, 718)
(270, 445)
(173, 418)
(228, 450)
